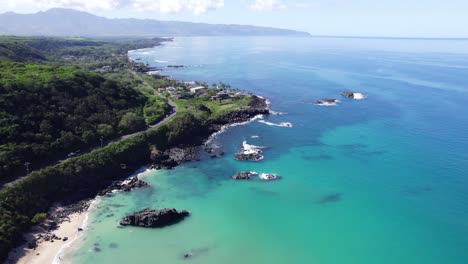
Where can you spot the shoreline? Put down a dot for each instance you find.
(52, 252)
(47, 251)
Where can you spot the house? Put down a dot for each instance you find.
(220, 96)
(196, 89)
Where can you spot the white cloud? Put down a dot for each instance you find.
(267, 5)
(306, 5)
(176, 6)
(163, 6)
(270, 5)
(77, 4)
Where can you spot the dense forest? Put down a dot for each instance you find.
(48, 111)
(51, 104)
(86, 53)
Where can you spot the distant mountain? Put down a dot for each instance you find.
(69, 22)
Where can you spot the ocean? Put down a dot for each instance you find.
(380, 180)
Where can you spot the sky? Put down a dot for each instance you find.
(375, 18)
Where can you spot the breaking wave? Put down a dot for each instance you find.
(282, 124)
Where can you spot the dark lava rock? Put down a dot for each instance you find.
(258, 102)
(173, 157)
(208, 149)
(32, 245)
(244, 175)
(80, 229)
(248, 157)
(239, 116)
(326, 101)
(349, 95)
(125, 185)
(154, 218)
(65, 239)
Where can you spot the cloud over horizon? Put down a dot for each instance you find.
(272, 5)
(163, 6)
(267, 5)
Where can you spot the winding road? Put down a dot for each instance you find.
(154, 126)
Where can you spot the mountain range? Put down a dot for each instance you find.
(73, 23)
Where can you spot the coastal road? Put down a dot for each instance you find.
(154, 126)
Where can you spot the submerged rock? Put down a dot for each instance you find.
(154, 218)
(244, 175)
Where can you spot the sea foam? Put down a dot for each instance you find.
(225, 127)
(359, 96)
(281, 124)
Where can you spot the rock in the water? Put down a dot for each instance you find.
(269, 176)
(349, 95)
(125, 185)
(327, 102)
(244, 175)
(354, 95)
(154, 218)
(249, 152)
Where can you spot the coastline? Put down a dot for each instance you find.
(48, 243)
(47, 251)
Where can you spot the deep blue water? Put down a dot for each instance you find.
(383, 180)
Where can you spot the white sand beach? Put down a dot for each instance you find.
(46, 250)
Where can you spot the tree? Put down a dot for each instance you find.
(131, 122)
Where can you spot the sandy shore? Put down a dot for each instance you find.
(46, 250)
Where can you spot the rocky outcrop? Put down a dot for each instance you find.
(326, 102)
(244, 175)
(154, 218)
(349, 95)
(249, 152)
(239, 116)
(173, 157)
(258, 102)
(354, 95)
(125, 185)
(248, 157)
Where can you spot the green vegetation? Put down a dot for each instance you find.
(39, 217)
(49, 111)
(86, 53)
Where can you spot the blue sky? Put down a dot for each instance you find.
(396, 18)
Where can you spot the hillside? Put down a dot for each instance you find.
(83, 52)
(68, 22)
(49, 111)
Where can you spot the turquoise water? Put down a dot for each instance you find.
(383, 180)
